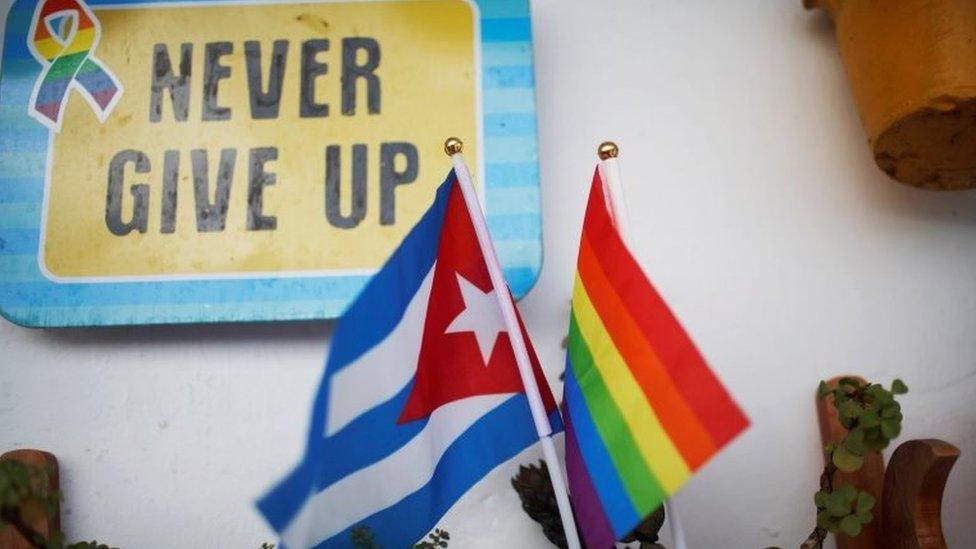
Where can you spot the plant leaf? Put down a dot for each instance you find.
(849, 381)
(891, 411)
(870, 419)
(850, 525)
(820, 499)
(898, 387)
(865, 502)
(890, 428)
(849, 408)
(838, 505)
(849, 492)
(846, 461)
(854, 441)
(874, 441)
(823, 518)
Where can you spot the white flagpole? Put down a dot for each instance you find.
(453, 147)
(610, 174)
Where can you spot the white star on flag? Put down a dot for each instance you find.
(481, 315)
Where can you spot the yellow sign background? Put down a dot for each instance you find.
(428, 75)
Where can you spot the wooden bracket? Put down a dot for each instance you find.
(912, 501)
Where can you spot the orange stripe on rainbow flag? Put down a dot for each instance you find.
(683, 426)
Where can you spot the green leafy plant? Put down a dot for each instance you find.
(362, 538)
(435, 539)
(872, 418)
(25, 494)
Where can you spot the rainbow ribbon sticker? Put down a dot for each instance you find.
(65, 34)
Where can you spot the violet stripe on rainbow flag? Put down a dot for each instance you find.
(643, 411)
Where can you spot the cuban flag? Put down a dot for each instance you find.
(421, 396)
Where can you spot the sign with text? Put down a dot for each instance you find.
(213, 161)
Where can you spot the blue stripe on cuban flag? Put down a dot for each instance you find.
(361, 468)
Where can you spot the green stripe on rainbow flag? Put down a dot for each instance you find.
(633, 472)
(652, 442)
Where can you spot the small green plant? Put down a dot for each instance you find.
(873, 419)
(362, 538)
(24, 495)
(435, 539)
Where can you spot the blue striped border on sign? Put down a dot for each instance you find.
(28, 298)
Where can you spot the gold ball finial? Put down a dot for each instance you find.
(607, 149)
(453, 146)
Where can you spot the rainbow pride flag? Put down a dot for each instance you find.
(643, 411)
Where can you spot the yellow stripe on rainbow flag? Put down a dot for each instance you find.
(656, 447)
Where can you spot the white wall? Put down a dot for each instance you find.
(758, 212)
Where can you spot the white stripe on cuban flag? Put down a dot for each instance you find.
(390, 480)
(384, 370)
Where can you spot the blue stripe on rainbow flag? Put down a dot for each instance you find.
(616, 503)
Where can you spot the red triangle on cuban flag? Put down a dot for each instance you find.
(465, 350)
